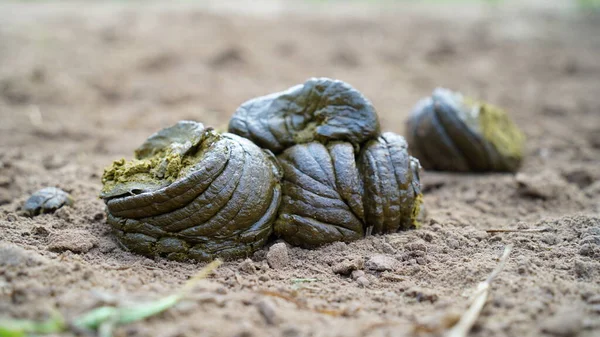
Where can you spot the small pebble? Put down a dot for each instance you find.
(47, 200)
(363, 281)
(381, 263)
(565, 323)
(278, 256)
(357, 273)
(267, 310)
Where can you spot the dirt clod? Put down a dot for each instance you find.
(247, 266)
(544, 185)
(381, 263)
(347, 266)
(76, 241)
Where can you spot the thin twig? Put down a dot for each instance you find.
(467, 320)
(317, 270)
(527, 230)
(283, 296)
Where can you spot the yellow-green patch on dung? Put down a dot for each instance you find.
(501, 132)
(307, 134)
(159, 169)
(159, 161)
(416, 211)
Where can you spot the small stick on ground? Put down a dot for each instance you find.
(528, 230)
(299, 304)
(467, 320)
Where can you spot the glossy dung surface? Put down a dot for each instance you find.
(195, 193)
(448, 132)
(329, 194)
(47, 200)
(321, 109)
(222, 203)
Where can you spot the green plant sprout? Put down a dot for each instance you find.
(103, 319)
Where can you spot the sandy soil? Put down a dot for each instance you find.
(81, 86)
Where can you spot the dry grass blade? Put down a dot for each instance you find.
(469, 317)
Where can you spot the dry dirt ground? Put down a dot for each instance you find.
(82, 85)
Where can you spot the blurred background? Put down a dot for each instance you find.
(104, 74)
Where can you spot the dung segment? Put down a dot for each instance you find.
(330, 194)
(451, 133)
(321, 109)
(392, 184)
(322, 195)
(194, 194)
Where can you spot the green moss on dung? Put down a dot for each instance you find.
(501, 132)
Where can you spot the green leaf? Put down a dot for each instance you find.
(23, 327)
